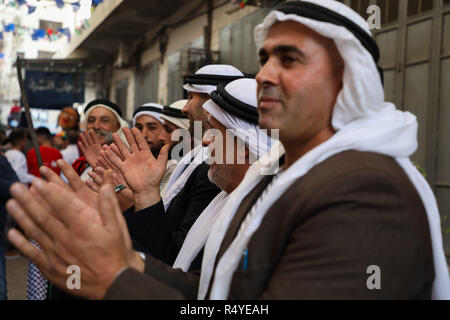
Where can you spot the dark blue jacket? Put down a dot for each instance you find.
(7, 178)
(161, 233)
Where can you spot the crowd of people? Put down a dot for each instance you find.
(291, 185)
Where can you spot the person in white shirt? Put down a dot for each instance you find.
(17, 158)
(71, 153)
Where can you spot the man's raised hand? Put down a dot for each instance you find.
(100, 250)
(142, 172)
(90, 146)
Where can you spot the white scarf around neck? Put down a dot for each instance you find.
(182, 172)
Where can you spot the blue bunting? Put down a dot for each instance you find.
(21, 2)
(31, 9)
(96, 2)
(59, 3)
(38, 34)
(65, 31)
(10, 27)
(75, 6)
(2, 55)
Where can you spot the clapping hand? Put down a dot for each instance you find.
(57, 220)
(90, 146)
(98, 176)
(77, 185)
(141, 171)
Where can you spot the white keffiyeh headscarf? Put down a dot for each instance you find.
(195, 157)
(258, 144)
(363, 121)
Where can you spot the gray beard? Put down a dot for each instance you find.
(107, 135)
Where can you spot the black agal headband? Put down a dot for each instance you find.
(234, 106)
(104, 102)
(148, 108)
(173, 112)
(319, 13)
(209, 79)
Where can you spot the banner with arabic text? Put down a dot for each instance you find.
(52, 90)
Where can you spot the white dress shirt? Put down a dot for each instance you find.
(71, 153)
(18, 162)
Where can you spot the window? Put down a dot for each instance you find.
(147, 84)
(419, 6)
(360, 6)
(174, 77)
(122, 94)
(232, 52)
(44, 24)
(45, 54)
(389, 10)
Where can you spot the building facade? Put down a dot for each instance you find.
(26, 42)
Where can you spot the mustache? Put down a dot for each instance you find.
(106, 134)
(272, 92)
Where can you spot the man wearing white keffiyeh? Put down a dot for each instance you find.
(226, 175)
(346, 201)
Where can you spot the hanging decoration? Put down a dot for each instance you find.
(242, 3)
(59, 3)
(31, 9)
(49, 34)
(65, 32)
(76, 6)
(38, 34)
(95, 3)
(9, 27)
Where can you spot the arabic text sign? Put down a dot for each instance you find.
(51, 90)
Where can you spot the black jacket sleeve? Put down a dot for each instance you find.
(7, 178)
(162, 233)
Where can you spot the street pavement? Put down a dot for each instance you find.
(16, 278)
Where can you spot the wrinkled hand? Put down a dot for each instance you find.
(88, 196)
(105, 164)
(101, 177)
(142, 172)
(90, 146)
(100, 250)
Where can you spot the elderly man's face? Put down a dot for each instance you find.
(220, 173)
(151, 128)
(194, 110)
(101, 119)
(299, 80)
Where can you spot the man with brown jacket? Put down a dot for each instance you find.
(345, 215)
